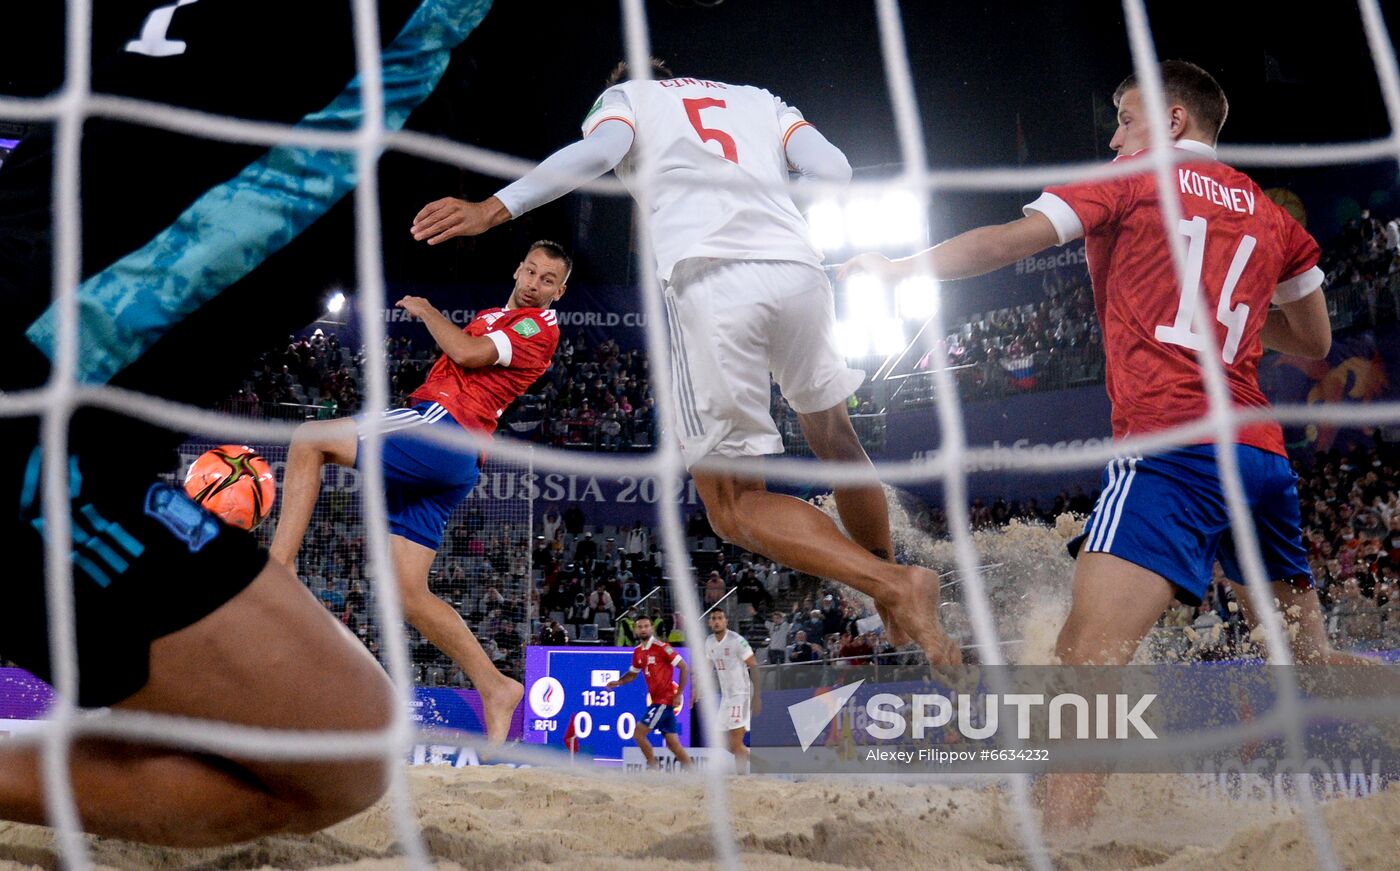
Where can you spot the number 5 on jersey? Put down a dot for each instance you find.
(693, 108)
(1182, 331)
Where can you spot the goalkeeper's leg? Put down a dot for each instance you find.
(270, 657)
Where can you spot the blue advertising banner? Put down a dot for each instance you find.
(1074, 418)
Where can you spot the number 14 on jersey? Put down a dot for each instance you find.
(1182, 330)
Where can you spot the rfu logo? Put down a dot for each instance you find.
(547, 697)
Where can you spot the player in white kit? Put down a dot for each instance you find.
(745, 297)
(736, 670)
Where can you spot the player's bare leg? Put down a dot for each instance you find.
(1115, 604)
(313, 445)
(443, 626)
(647, 752)
(1364, 678)
(798, 535)
(1301, 609)
(863, 509)
(741, 753)
(262, 659)
(673, 743)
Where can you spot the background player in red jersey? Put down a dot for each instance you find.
(1161, 521)
(483, 368)
(657, 661)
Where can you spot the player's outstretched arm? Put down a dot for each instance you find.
(625, 679)
(469, 352)
(975, 252)
(1301, 327)
(559, 174)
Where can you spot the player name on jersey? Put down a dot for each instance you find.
(1235, 199)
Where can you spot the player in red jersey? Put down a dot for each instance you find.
(657, 661)
(483, 368)
(1161, 521)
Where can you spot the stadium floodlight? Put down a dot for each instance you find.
(827, 223)
(917, 298)
(867, 224)
(868, 327)
(867, 299)
(887, 336)
(335, 303)
(852, 339)
(902, 220)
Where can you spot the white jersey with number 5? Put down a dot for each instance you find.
(729, 658)
(718, 154)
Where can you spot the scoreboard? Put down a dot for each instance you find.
(562, 683)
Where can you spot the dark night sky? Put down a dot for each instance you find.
(526, 77)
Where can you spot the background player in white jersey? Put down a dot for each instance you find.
(746, 297)
(737, 672)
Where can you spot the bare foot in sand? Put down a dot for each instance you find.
(918, 616)
(498, 706)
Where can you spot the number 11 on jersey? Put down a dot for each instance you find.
(1182, 330)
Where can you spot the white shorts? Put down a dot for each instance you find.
(732, 322)
(734, 712)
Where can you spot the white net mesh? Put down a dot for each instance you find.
(57, 400)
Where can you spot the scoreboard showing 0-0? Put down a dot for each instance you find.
(562, 683)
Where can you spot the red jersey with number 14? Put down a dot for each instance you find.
(657, 662)
(1242, 250)
(525, 340)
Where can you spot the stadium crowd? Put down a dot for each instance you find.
(1047, 345)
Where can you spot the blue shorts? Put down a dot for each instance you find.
(660, 718)
(424, 481)
(1167, 513)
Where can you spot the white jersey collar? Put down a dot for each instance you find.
(1197, 147)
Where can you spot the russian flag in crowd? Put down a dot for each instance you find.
(1021, 370)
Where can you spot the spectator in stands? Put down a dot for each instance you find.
(778, 629)
(833, 615)
(699, 526)
(574, 520)
(803, 650)
(551, 524)
(637, 540)
(600, 601)
(714, 589)
(751, 592)
(554, 634)
(855, 650)
(586, 552)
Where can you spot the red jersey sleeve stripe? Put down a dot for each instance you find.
(793, 129)
(611, 118)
